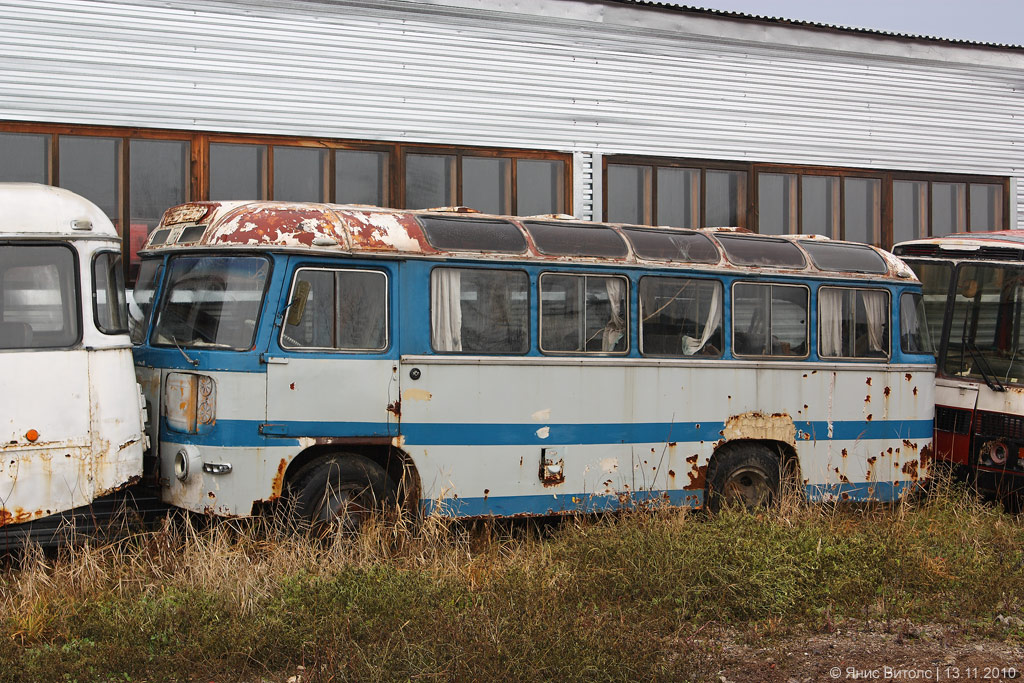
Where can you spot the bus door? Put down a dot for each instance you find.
(955, 402)
(332, 368)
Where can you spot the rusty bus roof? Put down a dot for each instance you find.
(374, 231)
(999, 245)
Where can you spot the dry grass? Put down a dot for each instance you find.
(638, 594)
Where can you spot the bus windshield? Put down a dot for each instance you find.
(985, 337)
(211, 302)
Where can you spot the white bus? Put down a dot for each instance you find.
(71, 419)
(491, 366)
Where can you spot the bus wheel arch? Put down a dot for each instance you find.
(394, 462)
(753, 473)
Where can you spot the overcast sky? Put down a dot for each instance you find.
(986, 21)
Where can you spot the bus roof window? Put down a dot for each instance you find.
(672, 245)
(576, 239)
(855, 258)
(747, 250)
(472, 234)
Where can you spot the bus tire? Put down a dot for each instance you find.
(744, 475)
(345, 486)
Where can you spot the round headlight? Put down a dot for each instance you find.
(181, 465)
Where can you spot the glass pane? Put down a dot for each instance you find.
(629, 194)
(776, 203)
(680, 317)
(479, 311)
(987, 335)
(39, 306)
(672, 245)
(863, 210)
(948, 208)
(158, 180)
(237, 172)
(211, 302)
(487, 184)
(429, 181)
(141, 304)
(361, 178)
(540, 187)
(748, 250)
(819, 205)
(726, 199)
(583, 313)
(576, 239)
(936, 278)
(841, 257)
(853, 323)
(472, 234)
(986, 207)
(91, 167)
(914, 336)
(300, 174)
(337, 309)
(108, 293)
(679, 197)
(24, 158)
(769, 320)
(909, 210)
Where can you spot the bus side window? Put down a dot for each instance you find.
(914, 333)
(680, 317)
(583, 313)
(853, 323)
(479, 310)
(344, 310)
(769, 319)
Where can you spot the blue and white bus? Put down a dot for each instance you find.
(489, 366)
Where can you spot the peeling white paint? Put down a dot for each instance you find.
(543, 432)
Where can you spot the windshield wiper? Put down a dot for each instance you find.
(195, 363)
(985, 369)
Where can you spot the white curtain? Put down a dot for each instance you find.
(616, 326)
(830, 306)
(692, 345)
(446, 310)
(877, 311)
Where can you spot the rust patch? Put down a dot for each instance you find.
(910, 445)
(698, 478)
(843, 478)
(867, 399)
(908, 376)
(672, 474)
(278, 224)
(292, 386)
(926, 456)
(887, 391)
(868, 382)
(846, 496)
(868, 418)
(915, 391)
(192, 212)
(692, 459)
(277, 486)
(845, 453)
(395, 407)
(910, 469)
(487, 492)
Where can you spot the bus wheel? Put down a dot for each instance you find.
(348, 487)
(745, 475)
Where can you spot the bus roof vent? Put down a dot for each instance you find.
(751, 250)
(845, 257)
(576, 239)
(455, 233)
(662, 244)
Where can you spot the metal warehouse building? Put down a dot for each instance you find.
(606, 109)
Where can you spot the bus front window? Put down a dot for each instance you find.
(985, 338)
(211, 302)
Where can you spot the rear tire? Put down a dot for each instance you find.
(744, 475)
(345, 486)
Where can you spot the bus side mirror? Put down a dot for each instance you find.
(297, 306)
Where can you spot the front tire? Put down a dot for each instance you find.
(346, 487)
(744, 475)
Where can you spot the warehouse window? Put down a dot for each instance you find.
(157, 178)
(26, 158)
(687, 195)
(923, 208)
(489, 184)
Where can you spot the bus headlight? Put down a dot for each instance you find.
(186, 461)
(996, 451)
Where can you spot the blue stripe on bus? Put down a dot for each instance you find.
(551, 504)
(246, 433)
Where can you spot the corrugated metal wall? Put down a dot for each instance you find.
(413, 71)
